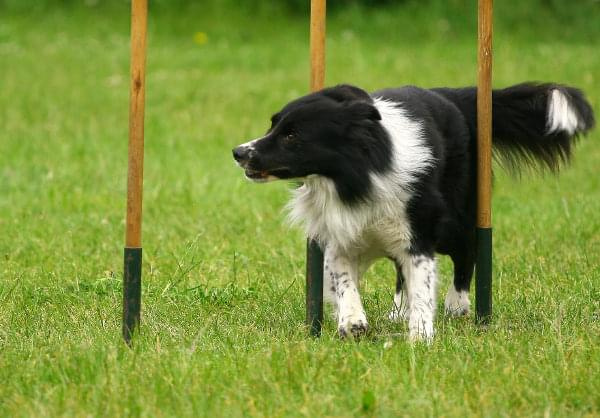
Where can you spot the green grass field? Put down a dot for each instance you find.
(223, 291)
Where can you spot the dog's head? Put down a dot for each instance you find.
(327, 133)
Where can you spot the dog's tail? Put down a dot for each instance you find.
(532, 124)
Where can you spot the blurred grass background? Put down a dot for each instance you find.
(222, 329)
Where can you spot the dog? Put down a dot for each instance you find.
(393, 174)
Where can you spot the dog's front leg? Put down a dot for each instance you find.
(420, 273)
(342, 275)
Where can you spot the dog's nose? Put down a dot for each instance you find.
(241, 153)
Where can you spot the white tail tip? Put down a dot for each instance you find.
(562, 115)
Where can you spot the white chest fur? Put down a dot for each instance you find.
(380, 221)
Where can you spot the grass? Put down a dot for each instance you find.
(222, 331)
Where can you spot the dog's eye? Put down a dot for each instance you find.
(290, 136)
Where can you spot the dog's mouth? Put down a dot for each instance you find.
(261, 176)
(256, 175)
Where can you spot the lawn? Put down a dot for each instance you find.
(223, 276)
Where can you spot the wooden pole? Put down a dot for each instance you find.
(317, 44)
(483, 279)
(314, 254)
(135, 173)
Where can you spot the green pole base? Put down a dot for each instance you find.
(132, 291)
(483, 276)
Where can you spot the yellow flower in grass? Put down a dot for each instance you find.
(200, 38)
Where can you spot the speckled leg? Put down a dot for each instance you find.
(342, 278)
(421, 281)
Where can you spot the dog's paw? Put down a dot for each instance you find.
(457, 303)
(353, 325)
(420, 327)
(422, 333)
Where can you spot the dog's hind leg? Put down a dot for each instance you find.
(400, 308)
(457, 301)
(342, 271)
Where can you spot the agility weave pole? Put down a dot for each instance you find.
(483, 276)
(132, 272)
(314, 254)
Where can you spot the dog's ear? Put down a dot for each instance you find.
(345, 93)
(275, 119)
(362, 110)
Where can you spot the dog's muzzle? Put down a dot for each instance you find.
(242, 154)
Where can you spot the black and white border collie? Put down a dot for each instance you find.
(393, 174)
